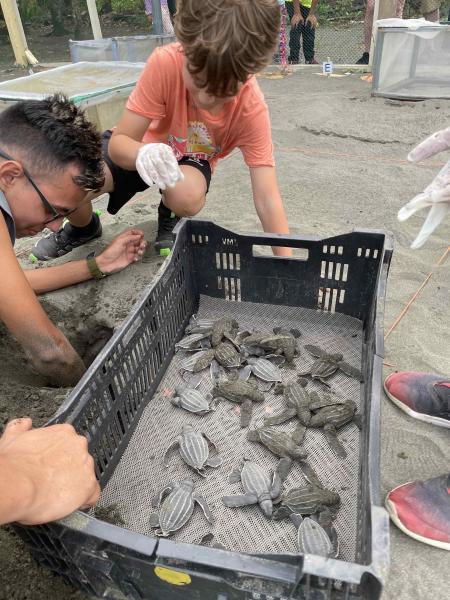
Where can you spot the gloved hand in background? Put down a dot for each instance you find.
(157, 165)
(435, 196)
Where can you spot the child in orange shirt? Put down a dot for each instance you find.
(195, 102)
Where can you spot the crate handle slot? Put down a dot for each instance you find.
(264, 251)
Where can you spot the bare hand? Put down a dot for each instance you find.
(311, 20)
(52, 472)
(126, 248)
(296, 19)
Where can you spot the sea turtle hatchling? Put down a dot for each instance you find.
(297, 405)
(313, 538)
(307, 500)
(225, 326)
(198, 361)
(240, 392)
(332, 418)
(193, 401)
(194, 450)
(282, 444)
(227, 355)
(262, 369)
(260, 486)
(283, 342)
(193, 342)
(177, 504)
(326, 365)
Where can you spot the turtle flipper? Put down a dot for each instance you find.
(157, 500)
(316, 351)
(309, 474)
(281, 417)
(253, 435)
(235, 475)
(283, 467)
(240, 500)
(246, 413)
(333, 440)
(298, 434)
(192, 379)
(245, 373)
(350, 371)
(214, 461)
(172, 447)
(204, 506)
(154, 519)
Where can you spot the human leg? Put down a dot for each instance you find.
(368, 22)
(184, 200)
(421, 509)
(294, 36)
(309, 36)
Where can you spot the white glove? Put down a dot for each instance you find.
(156, 164)
(435, 196)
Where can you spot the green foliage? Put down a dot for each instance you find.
(128, 6)
(339, 10)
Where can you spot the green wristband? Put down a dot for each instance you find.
(94, 269)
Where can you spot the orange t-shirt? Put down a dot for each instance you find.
(161, 95)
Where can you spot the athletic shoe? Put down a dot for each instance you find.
(364, 60)
(421, 509)
(166, 222)
(312, 62)
(293, 61)
(63, 241)
(424, 396)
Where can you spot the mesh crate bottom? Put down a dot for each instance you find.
(140, 473)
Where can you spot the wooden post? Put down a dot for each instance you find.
(95, 22)
(383, 9)
(16, 34)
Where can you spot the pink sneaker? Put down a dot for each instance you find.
(421, 509)
(424, 396)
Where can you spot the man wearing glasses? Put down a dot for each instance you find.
(50, 156)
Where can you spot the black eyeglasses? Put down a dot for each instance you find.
(48, 206)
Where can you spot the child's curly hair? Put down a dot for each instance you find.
(49, 135)
(225, 41)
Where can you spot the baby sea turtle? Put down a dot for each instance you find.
(226, 325)
(313, 538)
(240, 392)
(327, 364)
(260, 486)
(193, 342)
(282, 341)
(297, 401)
(227, 355)
(262, 369)
(307, 500)
(198, 361)
(197, 325)
(194, 450)
(177, 507)
(332, 418)
(193, 401)
(282, 444)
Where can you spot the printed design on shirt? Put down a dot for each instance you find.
(198, 143)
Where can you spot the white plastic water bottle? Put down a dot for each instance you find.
(327, 67)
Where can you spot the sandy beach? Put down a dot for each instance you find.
(341, 161)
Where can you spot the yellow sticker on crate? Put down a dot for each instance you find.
(172, 577)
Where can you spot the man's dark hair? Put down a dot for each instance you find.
(48, 135)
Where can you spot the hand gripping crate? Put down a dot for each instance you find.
(334, 292)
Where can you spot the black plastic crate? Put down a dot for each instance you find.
(343, 274)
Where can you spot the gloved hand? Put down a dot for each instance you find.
(157, 165)
(435, 196)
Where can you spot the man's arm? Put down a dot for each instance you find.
(45, 345)
(45, 474)
(126, 139)
(125, 249)
(311, 19)
(269, 205)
